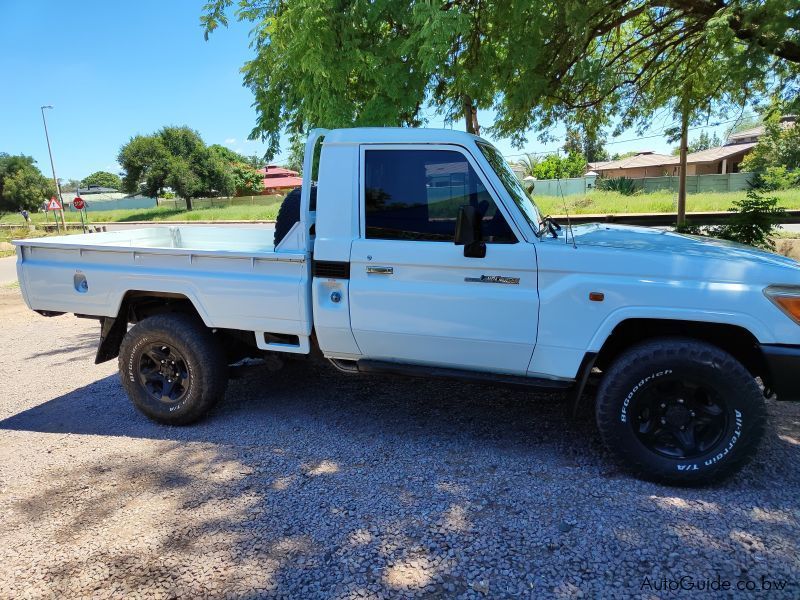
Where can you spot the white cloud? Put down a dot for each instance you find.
(230, 141)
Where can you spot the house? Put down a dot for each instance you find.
(718, 160)
(642, 164)
(278, 179)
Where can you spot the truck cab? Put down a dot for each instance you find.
(393, 281)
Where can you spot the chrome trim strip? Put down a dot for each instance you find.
(493, 279)
(380, 270)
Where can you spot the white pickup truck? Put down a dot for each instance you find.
(417, 252)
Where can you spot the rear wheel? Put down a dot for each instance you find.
(172, 368)
(680, 411)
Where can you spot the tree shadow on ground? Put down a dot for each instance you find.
(312, 483)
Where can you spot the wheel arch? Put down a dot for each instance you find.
(134, 306)
(737, 340)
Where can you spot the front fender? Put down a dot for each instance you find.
(755, 326)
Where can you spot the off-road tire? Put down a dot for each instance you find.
(203, 361)
(288, 215)
(627, 388)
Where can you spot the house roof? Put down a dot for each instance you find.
(717, 153)
(282, 182)
(664, 160)
(95, 189)
(646, 159)
(276, 171)
(747, 133)
(279, 178)
(785, 122)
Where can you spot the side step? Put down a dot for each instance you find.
(393, 368)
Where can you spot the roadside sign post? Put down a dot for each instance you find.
(52, 206)
(43, 207)
(79, 205)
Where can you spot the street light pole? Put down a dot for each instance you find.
(53, 166)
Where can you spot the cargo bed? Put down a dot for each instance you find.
(233, 276)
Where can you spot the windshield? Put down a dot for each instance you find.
(512, 184)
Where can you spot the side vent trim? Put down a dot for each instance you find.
(329, 269)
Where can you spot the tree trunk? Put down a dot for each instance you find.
(188, 204)
(682, 173)
(471, 116)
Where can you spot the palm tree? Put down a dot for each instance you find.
(527, 164)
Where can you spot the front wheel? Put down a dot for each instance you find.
(680, 411)
(172, 368)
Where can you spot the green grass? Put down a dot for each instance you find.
(603, 203)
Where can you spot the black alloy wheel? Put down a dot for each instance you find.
(679, 418)
(163, 372)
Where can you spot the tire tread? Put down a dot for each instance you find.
(606, 410)
(191, 331)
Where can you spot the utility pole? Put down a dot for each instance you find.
(682, 173)
(53, 167)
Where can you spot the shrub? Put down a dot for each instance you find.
(622, 185)
(779, 178)
(756, 218)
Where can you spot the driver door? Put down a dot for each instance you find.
(414, 296)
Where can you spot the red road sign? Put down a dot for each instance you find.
(78, 203)
(54, 204)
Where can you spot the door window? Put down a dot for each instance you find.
(416, 194)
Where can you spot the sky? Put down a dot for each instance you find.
(112, 70)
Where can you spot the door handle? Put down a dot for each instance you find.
(380, 270)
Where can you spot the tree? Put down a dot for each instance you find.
(527, 164)
(553, 166)
(743, 123)
(176, 158)
(227, 154)
(701, 142)
(347, 62)
(591, 145)
(778, 146)
(588, 64)
(22, 185)
(70, 184)
(327, 64)
(246, 179)
(103, 179)
(297, 153)
(256, 161)
(691, 58)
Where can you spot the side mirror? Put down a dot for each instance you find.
(468, 232)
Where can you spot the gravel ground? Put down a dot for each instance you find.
(307, 483)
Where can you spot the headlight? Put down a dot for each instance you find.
(787, 298)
